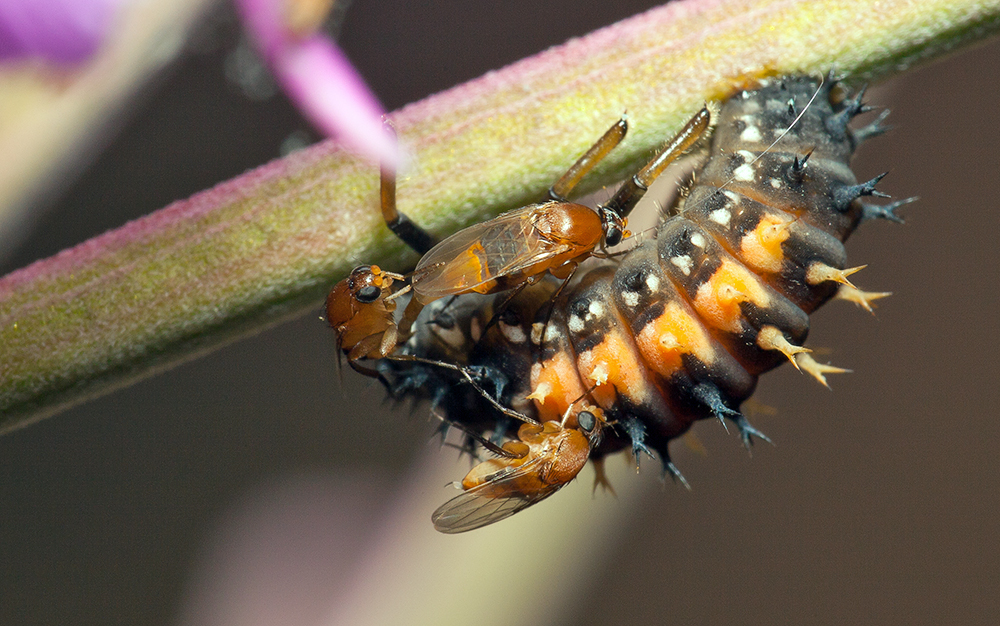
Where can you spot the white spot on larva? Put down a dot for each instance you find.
(721, 217)
(750, 133)
(631, 298)
(775, 183)
(653, 282)
(575, 323)
(552, 333)
(596, 309)
(747, 155)
(744, 94)
(698, 239)
(512, 333)
(733, 196)
(684, 263)
(744, 173)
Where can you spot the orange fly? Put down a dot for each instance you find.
(362, 309)
(519, 246)
(544, 459)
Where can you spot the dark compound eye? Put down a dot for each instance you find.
(613, 226)
(586, 420)
(613, 237)
(368, 294)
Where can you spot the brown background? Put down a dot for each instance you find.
(878, 506)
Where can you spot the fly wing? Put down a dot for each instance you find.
(481, 253)
(492, 501)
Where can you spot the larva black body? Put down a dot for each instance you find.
(679, 328)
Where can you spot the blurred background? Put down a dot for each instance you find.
(251, 486)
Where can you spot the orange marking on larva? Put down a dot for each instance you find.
(761, 248)
(614, 364)
(718, 299)
(555, 385)
(672, 334)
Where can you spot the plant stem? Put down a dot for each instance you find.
(268, 244)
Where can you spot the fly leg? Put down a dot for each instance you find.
(399, 223)
(594, 155)
(633, 189)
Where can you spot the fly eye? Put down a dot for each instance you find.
(586, 420)
(368, 294)
(613, 226)
(613, 235)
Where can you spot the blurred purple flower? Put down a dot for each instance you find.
(319, 79)
(62, 31)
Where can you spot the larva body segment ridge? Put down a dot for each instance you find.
(630, 353)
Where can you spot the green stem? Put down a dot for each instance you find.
(268, 244)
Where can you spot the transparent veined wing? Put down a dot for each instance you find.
(498, 498)
(477, 257)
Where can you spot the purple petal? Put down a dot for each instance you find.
(64, 31)
(328, 90)
(320, 81)
(264, 21)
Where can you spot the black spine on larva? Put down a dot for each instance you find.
(805, 179)
(750, 123)
(720, 296)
